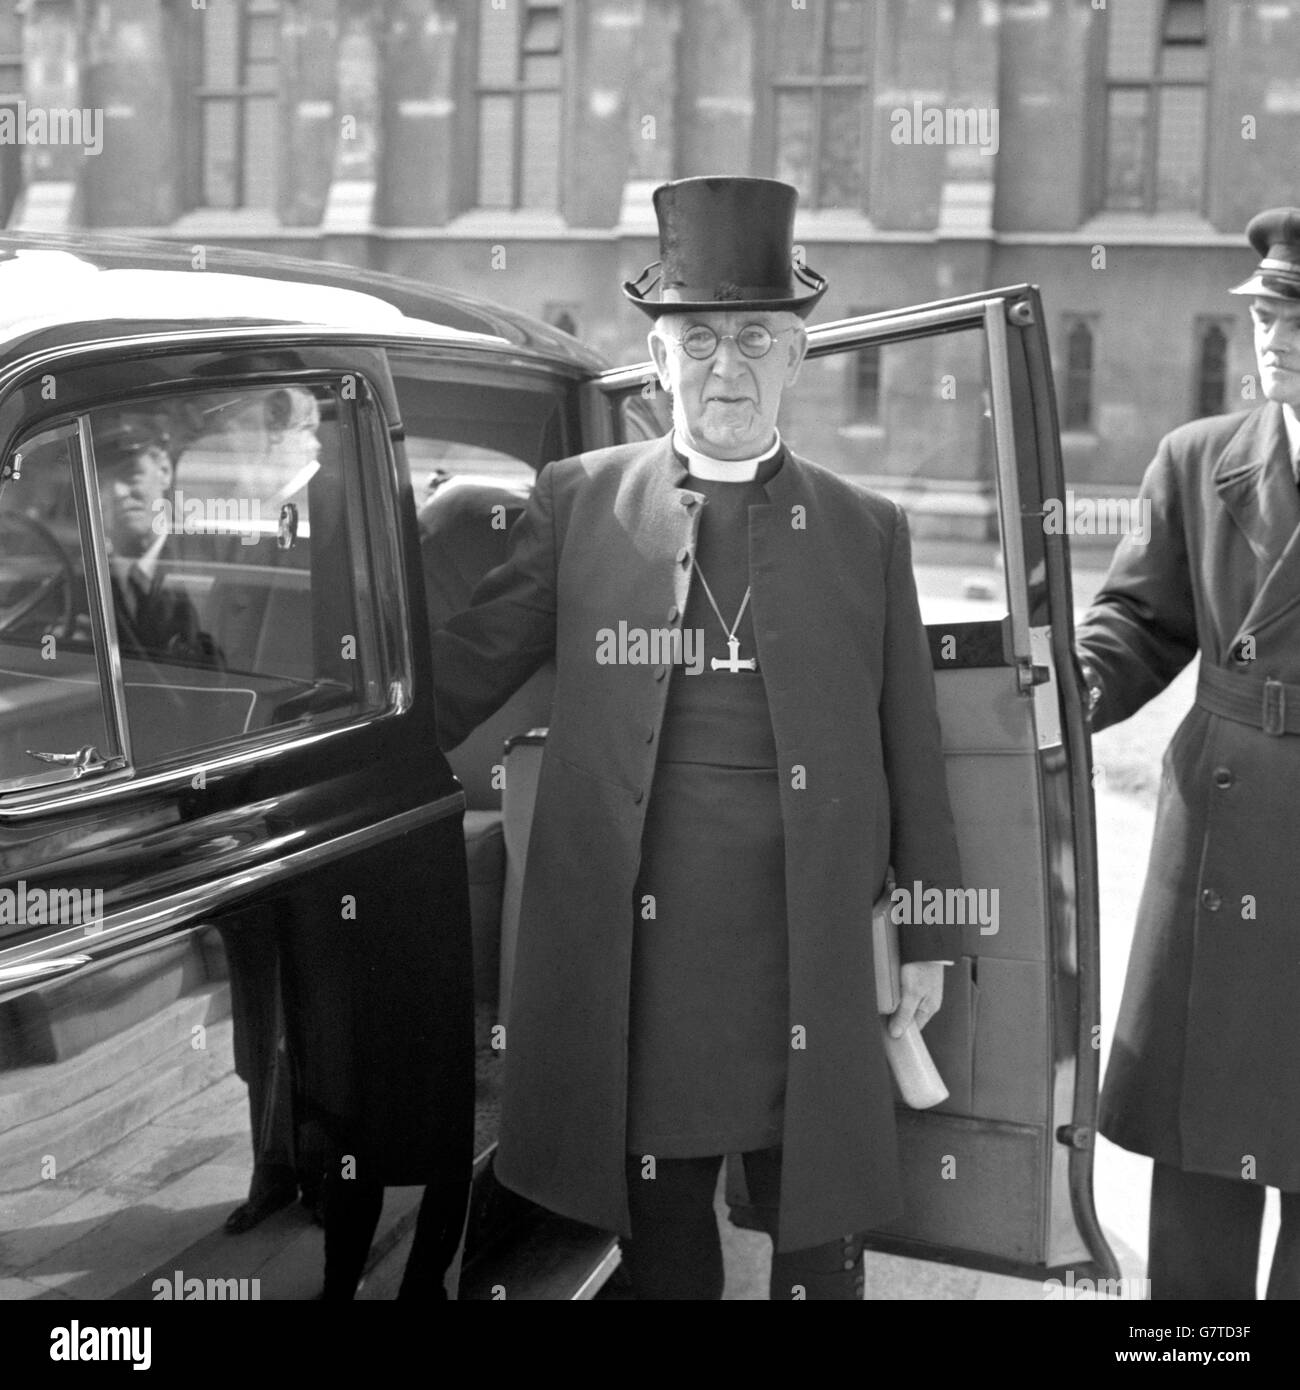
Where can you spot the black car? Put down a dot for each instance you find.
(242, 891)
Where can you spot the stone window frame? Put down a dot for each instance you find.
(477, 89)
(1180, 59)
(241, 93)
(774, 81)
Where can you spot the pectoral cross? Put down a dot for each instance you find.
(733, 663)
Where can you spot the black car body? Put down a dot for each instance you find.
(249, 810)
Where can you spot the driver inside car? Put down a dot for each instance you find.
(136, 467)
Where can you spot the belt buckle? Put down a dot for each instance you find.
(1274, 708)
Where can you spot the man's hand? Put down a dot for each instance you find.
(921, 987)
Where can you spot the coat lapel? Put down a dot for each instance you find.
(662, 517)
(1257, 487)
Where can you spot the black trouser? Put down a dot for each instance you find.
(675, 1251)
(352, 1209)
(1205, 1238)
(253, 962)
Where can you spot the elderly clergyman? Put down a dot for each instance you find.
(694, 975)
(1204, 1073)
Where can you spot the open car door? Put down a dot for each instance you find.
(949, 408)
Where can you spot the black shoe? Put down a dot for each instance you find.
(263, 1199)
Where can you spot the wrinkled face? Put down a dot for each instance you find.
(1277, 348)
(725, 405)
(129, 492)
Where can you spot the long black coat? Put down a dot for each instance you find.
(609, 537)
(1205, 1067)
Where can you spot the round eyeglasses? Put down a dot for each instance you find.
(754, 340)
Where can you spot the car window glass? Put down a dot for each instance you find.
(51, 704)
(482, 431)
(910, 419)
(234, 528)
(913, 420)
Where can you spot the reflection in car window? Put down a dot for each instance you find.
(913, 420)
(50, 697)
(241, 599)
(236, 564)
(904, 417)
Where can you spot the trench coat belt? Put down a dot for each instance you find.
(1263, 703)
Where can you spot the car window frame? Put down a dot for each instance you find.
(380, 485)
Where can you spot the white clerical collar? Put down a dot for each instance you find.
(722, 470)
(1292, 423)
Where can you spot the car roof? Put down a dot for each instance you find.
(78, 288)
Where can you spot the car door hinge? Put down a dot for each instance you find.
(1021, 313)
(1028, 676)
(1075, 1136)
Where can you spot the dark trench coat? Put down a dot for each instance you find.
(609, 537)
(1205, 1067)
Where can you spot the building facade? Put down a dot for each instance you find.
(1110, 151)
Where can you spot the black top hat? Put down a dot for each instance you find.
(1275, 235)
(725, 243)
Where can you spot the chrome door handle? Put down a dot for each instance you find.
(84, 760)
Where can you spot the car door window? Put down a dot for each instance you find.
(911, 418)
(51, 700)
(238, 592)
(235, 536)
(467, 425)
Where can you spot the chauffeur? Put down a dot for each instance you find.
(694, 974)
(1204, 1073)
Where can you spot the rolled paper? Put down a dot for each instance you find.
(913, 1067)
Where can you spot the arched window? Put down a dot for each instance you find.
(1077, 411)
(1211, 369)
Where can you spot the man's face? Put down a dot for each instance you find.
(725, 406)
(1277, 348)
(129, 490)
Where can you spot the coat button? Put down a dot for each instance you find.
(1210, 900)
(684, 555)
(687, 501)
(1223, 778)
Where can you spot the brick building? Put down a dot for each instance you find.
(509, 147)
